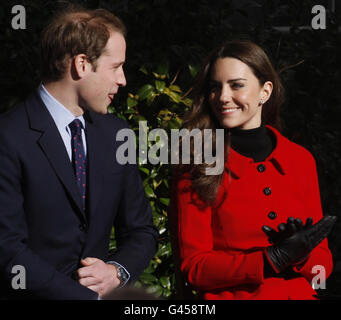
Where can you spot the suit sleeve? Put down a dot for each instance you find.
(321, 255)
(136, 236)
(41, 280)
(204, 267)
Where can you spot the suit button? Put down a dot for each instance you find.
(261, 168)
(267, 191)
(82, 227)
(272, 215)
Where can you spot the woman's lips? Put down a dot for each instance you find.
(229, 110)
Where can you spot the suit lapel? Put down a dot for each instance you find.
(53, 147)
(96, 153)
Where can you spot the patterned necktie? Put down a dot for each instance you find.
(78, 157)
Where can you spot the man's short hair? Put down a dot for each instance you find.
(74, 31)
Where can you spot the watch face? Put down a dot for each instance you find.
(121, 274)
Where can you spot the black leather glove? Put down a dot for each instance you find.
(285, 230)
(295, 248)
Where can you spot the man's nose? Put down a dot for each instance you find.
(122, 81)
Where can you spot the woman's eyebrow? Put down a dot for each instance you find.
(228, 81)
(237, 79)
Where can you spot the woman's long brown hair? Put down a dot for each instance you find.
(200, 115)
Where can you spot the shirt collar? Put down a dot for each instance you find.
(236, 163)
(60, 114)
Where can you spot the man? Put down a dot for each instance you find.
(61, 188)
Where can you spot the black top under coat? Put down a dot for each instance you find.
(257, 143)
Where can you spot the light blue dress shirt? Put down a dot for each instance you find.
(62, 118)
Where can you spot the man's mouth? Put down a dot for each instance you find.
(111, 96)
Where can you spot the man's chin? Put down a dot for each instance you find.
(102, 110)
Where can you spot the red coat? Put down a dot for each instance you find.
(221, 249)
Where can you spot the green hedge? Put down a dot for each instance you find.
(159, 102)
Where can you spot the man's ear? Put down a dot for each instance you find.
(80, 65)
(266, 91)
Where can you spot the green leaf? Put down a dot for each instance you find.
(160, 85)
(145, 170)
(165, 250)
(146, 91)
(165, 181)
(143, 69)
(111, 109)
(175, 88)
(166, 293)
(193, 70)
(165, 201)
(153, 173)
(156, 183)
(173, 124)
(149, 269)
(147, 278)
(155, 289)
(131, 103)
(165, 282)
(156, 75)
(173, 95)
(149, 192)
(151, 97)
(187, 102)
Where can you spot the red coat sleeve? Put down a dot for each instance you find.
(205, 267)
(321, 255)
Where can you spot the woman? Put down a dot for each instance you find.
(228, 246)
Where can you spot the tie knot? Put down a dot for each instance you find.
(75, 127)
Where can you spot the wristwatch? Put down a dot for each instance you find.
(122, 275)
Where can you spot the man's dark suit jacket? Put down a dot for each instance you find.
(42, 225)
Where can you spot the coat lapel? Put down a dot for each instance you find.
(53, 147)
(96, 153)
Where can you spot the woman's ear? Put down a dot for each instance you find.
(266, 91)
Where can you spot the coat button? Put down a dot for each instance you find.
(267, 191)
(272, 215)
(261, 168)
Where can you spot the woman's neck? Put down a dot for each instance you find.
(257, 143)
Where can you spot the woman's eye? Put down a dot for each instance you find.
(237, 85)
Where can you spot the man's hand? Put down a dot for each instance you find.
(98, 276)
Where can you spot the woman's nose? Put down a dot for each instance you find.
(225, 94)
